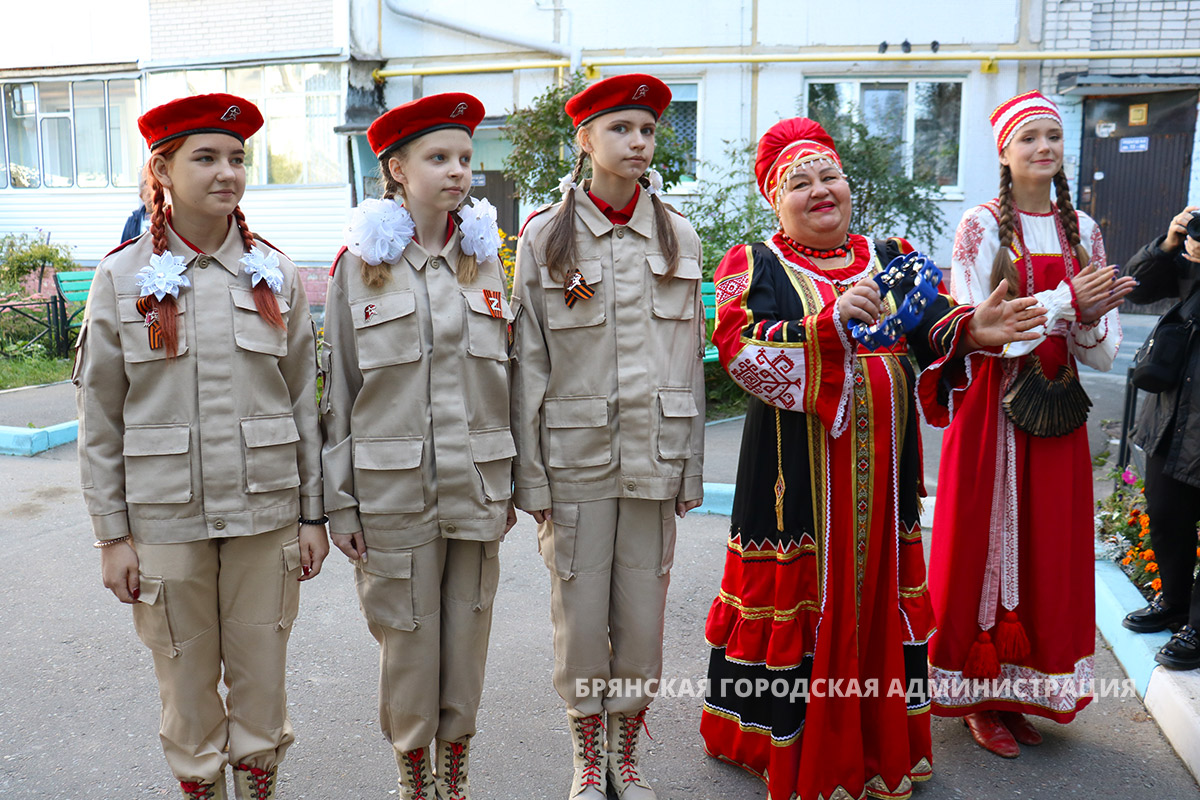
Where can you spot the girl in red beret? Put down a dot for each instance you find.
(200, 448)
(817, 677)
(608, 412)
(418, 454)
(1011, 571)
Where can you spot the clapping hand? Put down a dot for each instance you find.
(1098, 290)
(997, 321)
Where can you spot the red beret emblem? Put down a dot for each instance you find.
(369, 312)
(458, 111)
(231, 114)
(641, 92)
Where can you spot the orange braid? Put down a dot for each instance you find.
(264, 298)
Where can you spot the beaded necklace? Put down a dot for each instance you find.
(812, 252)
(812, 271)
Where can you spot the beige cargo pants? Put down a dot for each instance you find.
(220, 603)
(430, 609)
(610, 564)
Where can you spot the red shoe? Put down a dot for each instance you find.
(1021, 728)
(990, 734)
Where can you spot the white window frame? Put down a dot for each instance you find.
(948, 192)
(684, 188)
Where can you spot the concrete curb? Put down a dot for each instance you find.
(1171, 696)
(718, 499)
(31, 441)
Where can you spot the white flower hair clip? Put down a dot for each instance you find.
(263, 266)
(480, 233)
(656, 181)
(378, 231)
(567, 183)
(163, 276)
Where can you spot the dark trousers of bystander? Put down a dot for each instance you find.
(1174, 509)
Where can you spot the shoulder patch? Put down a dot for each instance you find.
(123, 245)
(336, 259)
(536, 212)
(268, 244)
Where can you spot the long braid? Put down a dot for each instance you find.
(1070, 221)
(166, 309)
(264, 298)
(1002, 265)
(562, 252)
(666, 232)
(467, 266)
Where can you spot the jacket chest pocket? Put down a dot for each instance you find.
(251, 331)
(135, 333)
(157, 466)
(674, 297)
(387, 475)
(492, 450)
(488, 316)
(385, 327)
(678, 413)
(586, 312)
(270, 453)
(578, 430)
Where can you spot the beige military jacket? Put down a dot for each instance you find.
(415, 409)
(608, 396)
(221, 441)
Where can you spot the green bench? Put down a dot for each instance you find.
(74, 287)
(708, 294)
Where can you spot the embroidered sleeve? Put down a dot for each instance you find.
(1097, 344)
(793, 364)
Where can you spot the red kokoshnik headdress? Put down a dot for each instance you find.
(785, 146)
(1009, 116)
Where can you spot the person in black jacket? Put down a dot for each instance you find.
(139, 221)
(1170, 267)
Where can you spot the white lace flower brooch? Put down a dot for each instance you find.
(163, 276)
(480, 233)
(378, 231)
(263, 266)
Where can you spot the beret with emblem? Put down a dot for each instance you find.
(616, 94)
(201, 113)
(428, 114)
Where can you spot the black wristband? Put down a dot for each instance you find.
(320, 521)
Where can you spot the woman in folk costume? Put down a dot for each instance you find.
(608, 412)
(1011, 563)
(200, 449)
(418, 454)
(817, 673)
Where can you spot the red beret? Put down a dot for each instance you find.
(617, 93)
(425, 115)
(201, 113)
(787, 142)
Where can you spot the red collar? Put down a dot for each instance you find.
(449, 231)
(185, 241)
(621, 217)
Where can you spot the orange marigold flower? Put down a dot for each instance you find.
(1156, 584)
(1152, 567)
(1198, 552)
(1148, 555)
(1126, 560)
(1145, 532)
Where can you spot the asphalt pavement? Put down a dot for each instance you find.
(79, 707)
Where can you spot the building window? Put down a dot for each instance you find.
(682, 116)
(60, 134)
(299, 104)
(925, 116)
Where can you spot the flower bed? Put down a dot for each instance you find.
(1123, 524)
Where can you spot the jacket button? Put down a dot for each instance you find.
(451, 528)
(436, 263)
(631, 486)
(620, 232)
(219, 524)
(202, 262)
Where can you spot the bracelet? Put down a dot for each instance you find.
(100, 544)
(320, 521)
